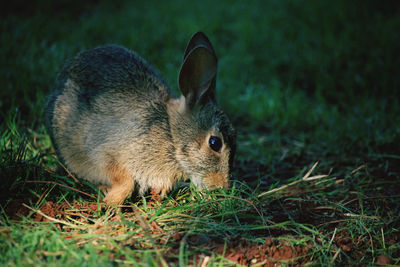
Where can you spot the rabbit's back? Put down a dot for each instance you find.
(106, 99)
(112, 68)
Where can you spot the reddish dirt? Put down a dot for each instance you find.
(268, 254)
(56, 210)
(272, 252)
(382, 260)
(16, 210)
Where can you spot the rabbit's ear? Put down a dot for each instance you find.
(199, 38)
(198, 75)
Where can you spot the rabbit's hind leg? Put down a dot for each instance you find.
(122, 184)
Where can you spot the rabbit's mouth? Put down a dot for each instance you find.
(212, 180)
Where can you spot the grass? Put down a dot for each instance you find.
(303, 81)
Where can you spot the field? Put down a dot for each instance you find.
(312, 88)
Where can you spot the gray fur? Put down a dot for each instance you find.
(113, 122)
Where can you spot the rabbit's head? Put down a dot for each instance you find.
(205, 140)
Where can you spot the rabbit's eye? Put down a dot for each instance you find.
(215, 143)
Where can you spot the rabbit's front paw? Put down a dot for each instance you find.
(122, 184)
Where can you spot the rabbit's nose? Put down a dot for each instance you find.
(215, 179)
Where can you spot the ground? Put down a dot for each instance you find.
(312, 89)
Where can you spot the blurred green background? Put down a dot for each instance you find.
(316, 77)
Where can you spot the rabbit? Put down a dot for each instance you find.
(113, 121)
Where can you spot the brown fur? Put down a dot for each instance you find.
(121, 183)
(113, 122)
(215, 180)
